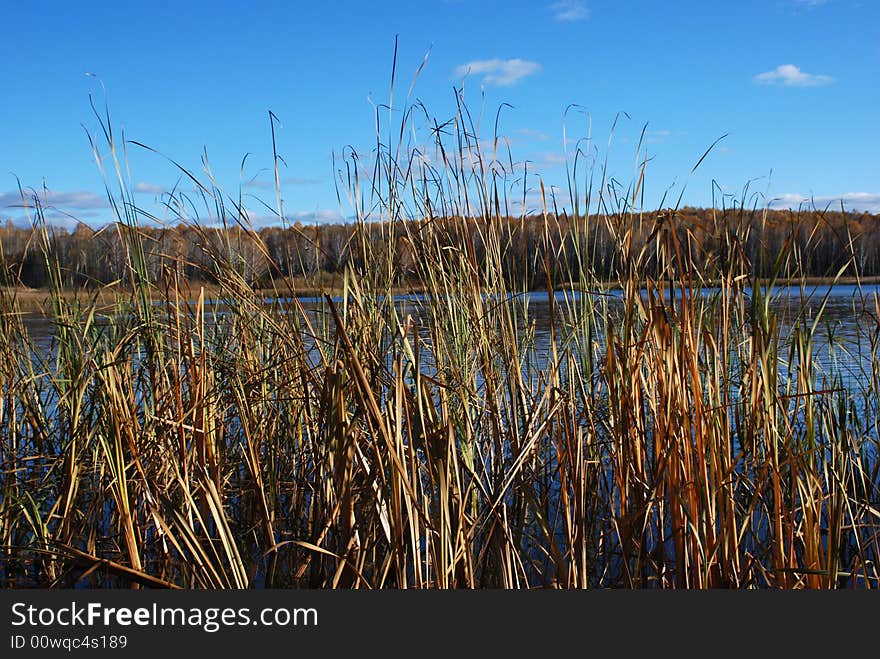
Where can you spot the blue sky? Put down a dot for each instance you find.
(793, 84)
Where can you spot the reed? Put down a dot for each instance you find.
(469, 436)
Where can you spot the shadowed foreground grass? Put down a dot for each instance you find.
(668, 439)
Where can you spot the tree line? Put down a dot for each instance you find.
(537, 249)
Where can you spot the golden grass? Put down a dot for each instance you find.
(668, 439)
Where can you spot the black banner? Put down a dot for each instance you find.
(408, 623)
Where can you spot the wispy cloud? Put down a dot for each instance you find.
(861, 201)
(499, 72)
(68, 201)
(263, 184)
(809, 4)
(532, 134)
(148, 188)
(657, 136)
(258, 218)
(546, 161)
(319, 216)
(296, 180)
(568, 11)
(791, 76)
(258, 183)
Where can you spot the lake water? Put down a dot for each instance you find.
(845, 339)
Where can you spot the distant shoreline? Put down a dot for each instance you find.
(36, 301)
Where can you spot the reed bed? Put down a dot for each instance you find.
(661, 437)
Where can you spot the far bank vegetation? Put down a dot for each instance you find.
(815, 243)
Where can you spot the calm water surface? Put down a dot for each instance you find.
(844, 342)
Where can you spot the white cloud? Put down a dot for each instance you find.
(148, 188)
(546, 161)
(58, 220)
(855, 201)
(533, 133)
(791, 76)
(259, 218)
(568, 11)
(809, 3)
(552, 158)
(657, 136)
(70, 200)
(499, 72)
(319, 216)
